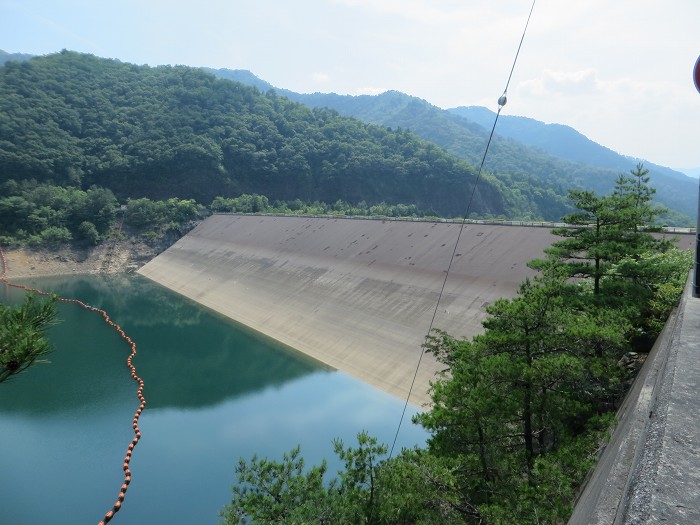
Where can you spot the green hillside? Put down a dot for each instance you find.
(164, 132)
(538, 164)
(674, 189)
(529, 168)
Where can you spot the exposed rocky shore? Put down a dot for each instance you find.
(123, 256)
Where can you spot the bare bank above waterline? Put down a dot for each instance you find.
(125, 256)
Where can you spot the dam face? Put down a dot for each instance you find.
(357, 295)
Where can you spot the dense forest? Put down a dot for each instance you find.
(178, 132)
(23, 334)
(80, 135)
(522, 410)
(45, 214)
(535, 161)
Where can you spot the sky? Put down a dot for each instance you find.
(620, 72)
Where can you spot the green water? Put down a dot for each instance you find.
(215, 393)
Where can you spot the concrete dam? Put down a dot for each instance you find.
(359, 296)
(355, 294)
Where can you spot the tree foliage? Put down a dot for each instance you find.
(521, 410)
(22, 334)
(371, 489)
(41, 213)
(260, 204)
(606, 229)
(147, 216)
(178, 132)
(514, 398)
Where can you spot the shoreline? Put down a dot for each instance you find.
(121, 257)
(126, 257)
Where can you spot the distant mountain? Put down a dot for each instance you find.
(690, 172)
(15, 57)
(559, 140)
(540, 161)
(240, 75)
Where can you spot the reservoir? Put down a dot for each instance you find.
(216, 392)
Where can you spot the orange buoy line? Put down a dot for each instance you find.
(139, 393)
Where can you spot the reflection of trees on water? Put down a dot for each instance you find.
(187, 356)
(188, 368)
(130, 300)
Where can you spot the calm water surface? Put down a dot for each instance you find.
(215, 393)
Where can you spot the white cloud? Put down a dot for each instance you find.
(561, 82)
(640, 116)
(370, 90)
(321, 78)
(644, 95)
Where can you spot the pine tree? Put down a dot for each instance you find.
(22, 330)
(606, 229)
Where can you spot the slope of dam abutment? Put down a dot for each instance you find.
(355, 294)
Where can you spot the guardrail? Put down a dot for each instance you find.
(531, 224)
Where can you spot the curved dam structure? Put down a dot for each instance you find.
(355, 294)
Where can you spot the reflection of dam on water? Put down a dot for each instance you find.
(214, 393)
(355, 294)
(166, 326)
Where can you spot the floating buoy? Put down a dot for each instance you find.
(137, 433)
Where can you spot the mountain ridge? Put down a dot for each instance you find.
(476, 114)
(528, 176)
(559, 140)
(546, 164)
(177, 131)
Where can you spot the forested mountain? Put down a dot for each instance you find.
(562, 141)
(164, 132)
(16, 57)
(675, 190)
(180, 132)
(553, 159)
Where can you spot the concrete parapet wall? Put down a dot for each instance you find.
(649, 472)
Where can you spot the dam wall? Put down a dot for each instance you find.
(355, 294)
